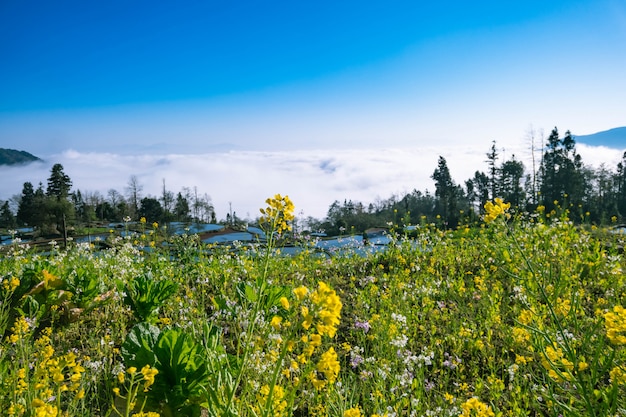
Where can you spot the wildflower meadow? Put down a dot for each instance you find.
(520, 315)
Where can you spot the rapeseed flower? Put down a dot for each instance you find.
(475, 408)
(301, 292)
(353, 412)
(615, 323)
(278, 213)
(278, 404)
(618, 376)
(493, 211)
(275, 322)
(11, 284)
(148, 376)
(558, 366)
(330, 309)
(329, 365)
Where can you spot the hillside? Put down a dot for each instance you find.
(612, 138)
(14, 157)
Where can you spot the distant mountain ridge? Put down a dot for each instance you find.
(14, 157)
(612, 138)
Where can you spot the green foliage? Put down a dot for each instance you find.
(146, 294)
(49, 295)
(138, 348)
(181, 385)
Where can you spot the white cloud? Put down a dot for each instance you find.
(313, 179)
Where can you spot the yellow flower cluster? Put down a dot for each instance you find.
(328, 306)
(279, 404)
(11, 284)
(476, 408)
(618, 376)
(320, 311)
(147, 375)
(329, 367)
(278, 213)
(63, 370)
(43, 409)
(492, 211)
(558, 366)
(19, 330)
(521, 336)
(353, 412)
(48, 376)
(615, 323)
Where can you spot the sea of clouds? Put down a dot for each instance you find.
(243, 180)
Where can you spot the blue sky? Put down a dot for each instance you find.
(318, 100)
(214, 75)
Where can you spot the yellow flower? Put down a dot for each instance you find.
(525, 317)
(275, 323)
(278, 213)
(353, 412)
(279, 404)
(329, 365)
(12, 284)
(330, 304)
(615, 323)
(301, 292)
(317, 383)
(521, 336)
(284, 302)
(316, 340)
(475, 408)
(492, 211)
(308, 317)
(148, 376)
(618, 376)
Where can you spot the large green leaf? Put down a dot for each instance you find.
(145, 294)
(183, 372)
(138, 348)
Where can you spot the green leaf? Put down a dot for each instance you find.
(183, 372)
(138, 348)
(247, 292)
(145, 295)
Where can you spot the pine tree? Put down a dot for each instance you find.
(492, 158)
(59, 183)
(446, 192)
(511, 187)
(7, 219)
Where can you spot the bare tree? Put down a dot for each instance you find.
(133, 190)
(533, 136)
(167, 201)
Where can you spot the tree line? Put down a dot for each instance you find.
(558, 180)
(52, 209)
